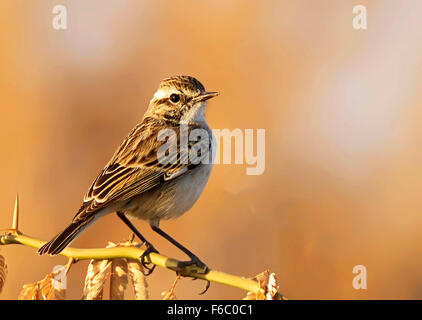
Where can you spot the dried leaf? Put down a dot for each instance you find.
(272, 287)
(259, 295)
(139, 282)
(169, 294)
(98, 272)
(134, 270)
(42, 290)
(250, 296)
(3, 272)
(118, 279)
(29, 291)
(268, 288)
(49, 291)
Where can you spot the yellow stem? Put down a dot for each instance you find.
(134, 253)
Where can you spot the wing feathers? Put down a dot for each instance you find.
(135, 168)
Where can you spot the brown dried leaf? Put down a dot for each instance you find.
(139, 282)
(48, 290)
(250, 296)
(45, 289)
(260, 295)
(134, 270)
(3, 272)
(268, 288)
(169, 294)
(272, 287)
(29, 291)
(118, 279)
(98, 272)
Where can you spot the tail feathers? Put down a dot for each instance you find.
(62, 240)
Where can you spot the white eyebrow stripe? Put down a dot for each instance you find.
(163, 93)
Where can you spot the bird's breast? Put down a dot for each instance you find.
(172, 198)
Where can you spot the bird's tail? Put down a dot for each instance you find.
(62, 240)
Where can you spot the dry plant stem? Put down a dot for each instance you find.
(134, 253)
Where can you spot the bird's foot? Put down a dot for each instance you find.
(196, 266)
(150, 248)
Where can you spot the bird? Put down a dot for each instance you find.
(138, 183)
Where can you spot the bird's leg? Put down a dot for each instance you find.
(150, 248)
(194, 258)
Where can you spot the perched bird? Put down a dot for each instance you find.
(137, 183)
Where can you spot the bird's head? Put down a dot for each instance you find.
(180, 98)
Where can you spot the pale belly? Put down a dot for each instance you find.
(171, 200)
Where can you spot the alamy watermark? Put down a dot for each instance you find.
(360, 280)
(60, 278)
(359, 21)
(60, 19)
(198, 145)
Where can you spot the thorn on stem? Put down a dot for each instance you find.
(15, 222)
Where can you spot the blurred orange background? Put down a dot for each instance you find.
(340, 107)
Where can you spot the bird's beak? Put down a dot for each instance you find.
(205, 96)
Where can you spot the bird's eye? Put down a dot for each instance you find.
(174, 98)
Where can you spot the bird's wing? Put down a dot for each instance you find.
(135, 168)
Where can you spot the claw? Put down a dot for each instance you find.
(207, 286)
(150, 270)
(195, 261)
(149, 249)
